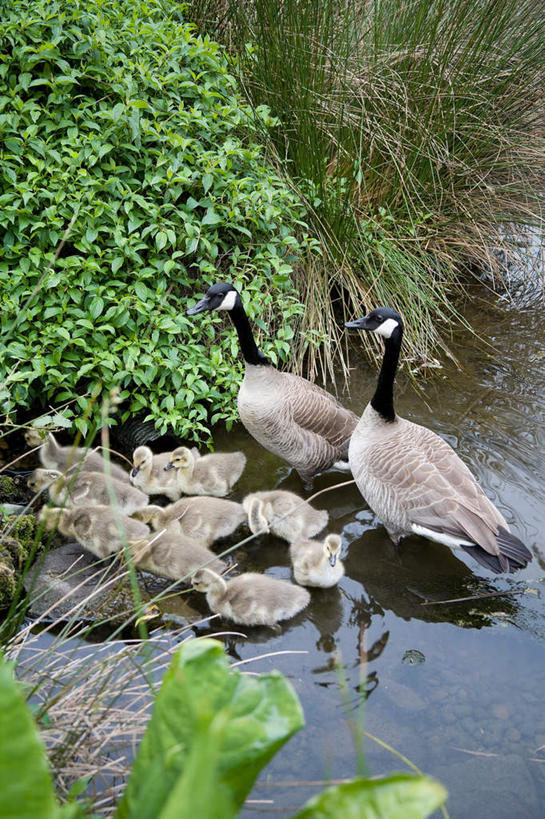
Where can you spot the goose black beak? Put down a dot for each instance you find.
(200, 307)
(332, 560)
(170, 465)
(358, 324)
(135, 471)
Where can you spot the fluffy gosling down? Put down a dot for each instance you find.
(149, 475)
(251, 599)
(99, 529)
(87, 489)
(213, 474)
(170, 554)
(54, 456)
(202, 519)
(317, 563)
(284, 514)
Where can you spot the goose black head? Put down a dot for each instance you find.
(382, 320)
(221, 296)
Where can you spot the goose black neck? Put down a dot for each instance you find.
(383, 399)
(248, 347)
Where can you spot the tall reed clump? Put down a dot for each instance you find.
(413, 131)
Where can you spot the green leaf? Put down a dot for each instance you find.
(25, 781)
(207, 181)
(211, 217)
(160, 240)
(399, 796)
(96, 307)
(249, 718)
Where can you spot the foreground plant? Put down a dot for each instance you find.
(211, 731)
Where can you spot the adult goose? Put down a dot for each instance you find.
(413, 480)
(288, 415)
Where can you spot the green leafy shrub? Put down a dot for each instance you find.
(130, 179)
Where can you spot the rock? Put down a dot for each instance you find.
(403, 696)
(71, 582)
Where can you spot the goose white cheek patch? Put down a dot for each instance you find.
(387, 327)
(228, 301)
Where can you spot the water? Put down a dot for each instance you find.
(456, 687)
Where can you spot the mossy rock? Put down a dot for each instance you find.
(13, 490)
(18, 533)
(8, 581)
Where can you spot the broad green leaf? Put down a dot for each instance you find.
(399, 796)
(260, 714)
(26, 786)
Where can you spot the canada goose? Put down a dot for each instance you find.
(213, 474)
(99, 529)
(251, 599)
(87, 489)
(286, 414)
(202, 519)
(284, 514)
(315, 563)
(171, 554)
(414, 480)
(54, 456)
(148, 473)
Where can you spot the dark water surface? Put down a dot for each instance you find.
(460, 688)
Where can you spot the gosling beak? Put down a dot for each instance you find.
(332, 560)
(170, 465)
(135, 471)
(200, 307)
(358, 324)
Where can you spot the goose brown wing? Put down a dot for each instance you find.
(435, 488)
(317, 411)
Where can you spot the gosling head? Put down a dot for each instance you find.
(332, 548)
(141, 458)
(221, 296)
(180, 458)
(205, 579)
(385, 321)
(34, 437)
(42, 478)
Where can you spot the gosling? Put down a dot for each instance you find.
(170, 554)
(251, 599)
(62, 458)
(284, 514)
(148, 473)
(87, 489)
(317, 564)
(202, 519)
(99, 529)
(213, 474)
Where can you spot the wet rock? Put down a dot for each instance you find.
(70, 582)
(403, 696)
